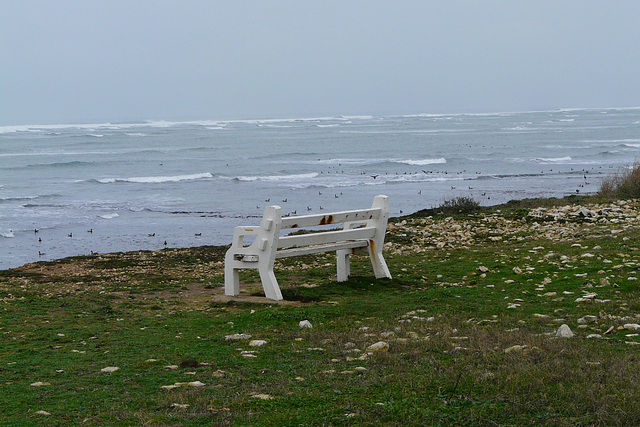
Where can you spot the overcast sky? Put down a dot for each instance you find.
(86, 61)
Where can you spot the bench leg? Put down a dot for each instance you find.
(270, 284)
(231, 281)
(378, 263)
(344, 265)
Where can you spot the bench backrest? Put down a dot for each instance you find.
(350, 219)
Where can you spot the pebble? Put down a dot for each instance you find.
(515, 349)
(257, 343)
(39, 384)
(305, 324)
(587, 319)
(262, 396)
(379, 346)
(109, 369)
(564, 332)
(42, 413)
(632, 327)
(180, 405)
(237, 337)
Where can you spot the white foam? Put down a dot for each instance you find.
(357, 117)
(109, 216)
(7, 234)
(554, 159)
(272, 178)
(346, 161)
(423, 162)
(157, 179)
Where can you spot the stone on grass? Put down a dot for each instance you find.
(180, 405)
(515, 349)
(379, 346)
(219, 374)
(587, 319)
(594, 336)
(632, 327)
(39, 384)
(237, 337)
(109, 369)
(42, 413)
(262, 396)
(257, 343)
(564, 331)
(305, 324)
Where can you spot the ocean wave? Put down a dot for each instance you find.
(272, 178)
(347, 161)
(377, 161)
(157, 179)
(24, 198)
(564, 159)
(422, 162)
(109, 216)
(17, 198)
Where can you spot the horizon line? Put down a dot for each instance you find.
(146, 122)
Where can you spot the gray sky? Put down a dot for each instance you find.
(78, 61)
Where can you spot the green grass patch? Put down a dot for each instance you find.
(469, 319)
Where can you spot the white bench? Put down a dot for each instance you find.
(363, 230)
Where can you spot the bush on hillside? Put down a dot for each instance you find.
(458, 205)
(624, 184)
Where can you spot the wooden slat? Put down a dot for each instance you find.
(325, 237)
(286, 253)
(331, 218)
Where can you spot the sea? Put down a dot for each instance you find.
(74, 189)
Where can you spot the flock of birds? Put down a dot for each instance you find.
(374, 176)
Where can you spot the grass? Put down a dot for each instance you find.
(470, 319)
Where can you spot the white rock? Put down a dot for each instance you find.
(594, 336)
(379, 346)
(564, 332)
(237, 337)
(305, 324)
(109, 369)
(632, 327)
(42, 413)
(169, 387)
(257, 343)
(39, 384)
(587, 319)
(180, 405)
(515, 349)
(517, 270)
(262, 396)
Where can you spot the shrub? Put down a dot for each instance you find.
(624, 184)
(458, 205)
